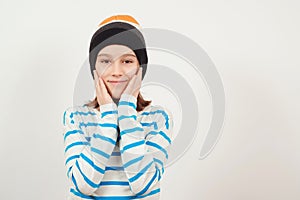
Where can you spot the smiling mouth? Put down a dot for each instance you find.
(116, 82)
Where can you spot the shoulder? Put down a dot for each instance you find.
(74, 109)
(74, 112)
(161, 111)
(162, 115)
(78, 108)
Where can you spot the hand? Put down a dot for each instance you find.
(134, 84)
(103, 96)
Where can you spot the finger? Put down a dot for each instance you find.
(100, 90)
(132, 81)
(140, 73)
(96, 79)
(138, 78)
(102, 72)
(130, 84)
(102, 86)
(138, 82)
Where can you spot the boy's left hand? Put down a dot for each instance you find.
(134, 84)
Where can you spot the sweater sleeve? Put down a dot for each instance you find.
(144, 151)
(86, 157)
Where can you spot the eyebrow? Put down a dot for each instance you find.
(108, 55)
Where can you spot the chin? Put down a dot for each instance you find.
(116, 96)
(116, 93)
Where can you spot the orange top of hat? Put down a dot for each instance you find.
(126, 18)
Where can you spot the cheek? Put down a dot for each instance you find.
(104, 79)
(102, 73)
(102, 69)
(107, 86)
(131, 72)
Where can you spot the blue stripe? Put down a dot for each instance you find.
(165, 136)
(158, 147)
(161, 163)
(102, 153)
(109, 125)
(114, 153)
(72, 132)
(131, 162)
(71, 158)
(108, 113)
(76, 144)
(82, 113)
(107, 139)
(127, 103)
(68, 172)
(114, 168)
(74, 182)
(80, 194)
(131, 130)
(150, 124)
(154, 112)
(87, 180)
(105, 125)
(125, 116)
(160, 133)
(150, 193)
(140, 173)
(159, 176)
(166, 118)
(134, 144)
(114, 183)
(158, 161)
(64, 118)
(161, 112)
(92, 163)
(148, 185)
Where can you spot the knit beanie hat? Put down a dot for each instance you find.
(123, 30)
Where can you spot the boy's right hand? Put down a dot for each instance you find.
(103, 96)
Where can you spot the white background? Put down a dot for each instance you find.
(254, 45)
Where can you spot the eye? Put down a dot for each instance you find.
(105, 61)
(128, 61)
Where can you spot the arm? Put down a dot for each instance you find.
(143, 153)
(86, 160)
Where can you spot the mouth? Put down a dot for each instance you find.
(116, 82)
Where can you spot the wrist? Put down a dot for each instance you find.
(128, 97)
(107, 108)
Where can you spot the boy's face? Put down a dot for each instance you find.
(116, 65)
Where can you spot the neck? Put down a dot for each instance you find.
(116, 100)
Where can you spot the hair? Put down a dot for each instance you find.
(141, 103)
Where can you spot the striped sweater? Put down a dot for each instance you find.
(117, 152)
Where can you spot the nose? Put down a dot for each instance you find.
(116, 69)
